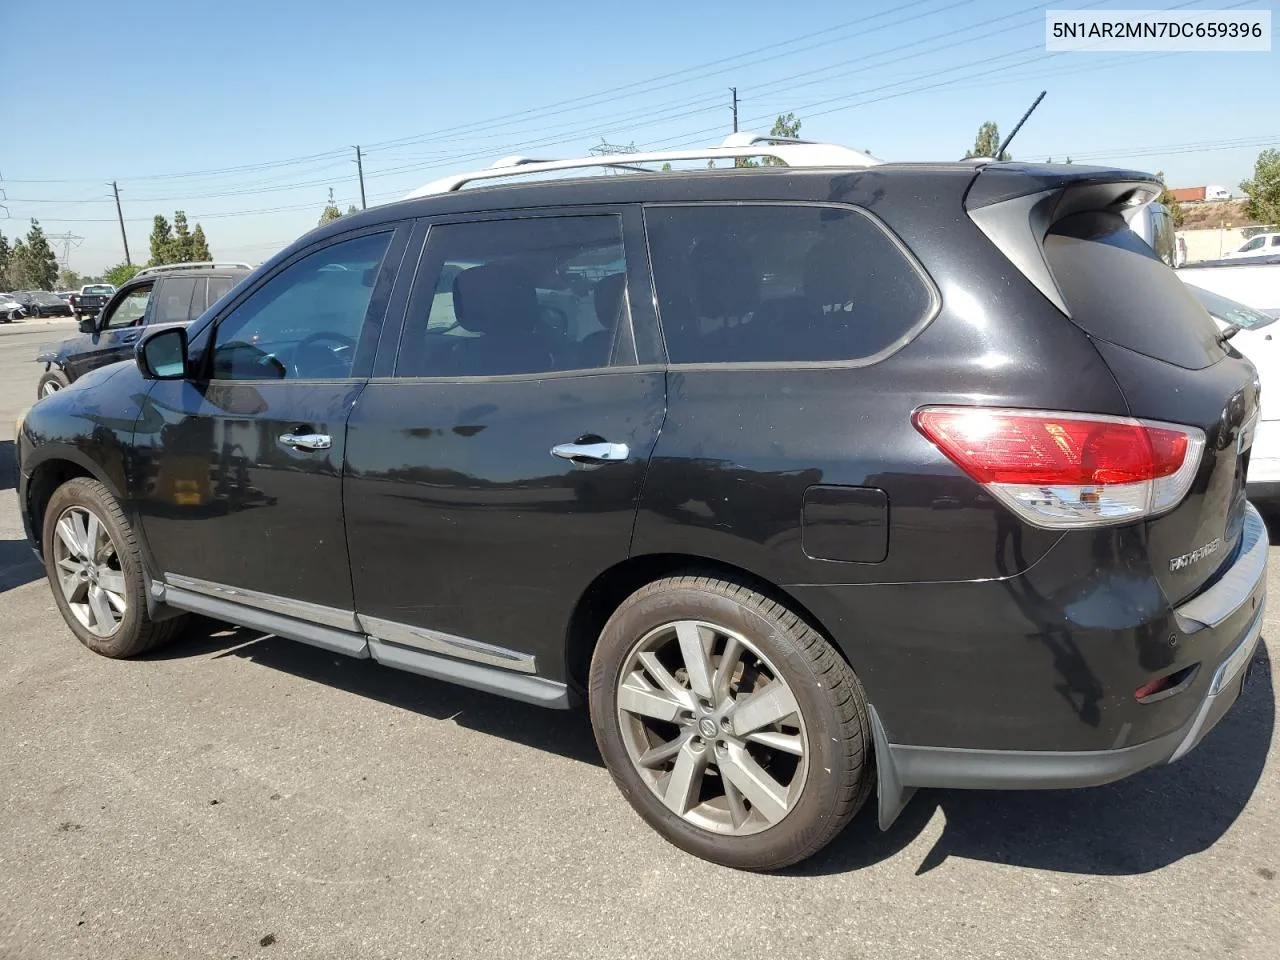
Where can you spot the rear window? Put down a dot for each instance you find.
(1118, 290)
(749, 283)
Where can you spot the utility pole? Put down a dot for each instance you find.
(115, 187)
(360, 171)
(734, 91)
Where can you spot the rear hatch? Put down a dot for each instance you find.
(1067, 230)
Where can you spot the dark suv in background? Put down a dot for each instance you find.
(812, 481)
(169, 294)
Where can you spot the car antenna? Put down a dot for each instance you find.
(1018, 126)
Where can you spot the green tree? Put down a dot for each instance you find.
(351, 208)
(19, 266)
(181, 249)
(1263, 188)
(120, 274)
(331, 212)
(785, 126)
(161, 242)
(68, 279)
(666, 167)
(6, 254)
(1167, 198)
(987, 142)
(40, 265)
(200, 246)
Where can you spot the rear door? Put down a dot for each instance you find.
(494, 468)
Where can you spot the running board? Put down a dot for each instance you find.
(516, 686)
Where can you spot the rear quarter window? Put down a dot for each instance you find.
(782, 283)
(1118, 290)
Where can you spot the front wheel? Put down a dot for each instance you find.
(732, 727)
(35, 312)
(53, 381)
(95, 569)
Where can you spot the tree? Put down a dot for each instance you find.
(987, 142)
(68, 279)
(181, 249)
(1167, 198)
(161, 242)
(666, 167)
(331, 212)
(120, 274)
(38, 265)
(785, 126)
(1263, 188)
(6, 254)
(199, 251)
(351, 208)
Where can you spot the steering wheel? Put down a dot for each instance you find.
(334, 353)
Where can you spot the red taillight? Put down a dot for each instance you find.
(1068, 469)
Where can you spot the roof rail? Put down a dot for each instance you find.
(791, 151)
(207, 264)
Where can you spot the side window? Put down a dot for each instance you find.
(1275, 241)
(130, 310)
(303, 323)
(218, 287)
(533, 295)
(771, 282)
(1254, 244)
(173, 299)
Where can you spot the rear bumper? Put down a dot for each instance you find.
(1236, 603)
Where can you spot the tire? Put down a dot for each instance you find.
(106, 607)
(35, 312)
(53, 381)
(811, 797)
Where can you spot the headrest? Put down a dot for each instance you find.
(495, 298)
(608, 298)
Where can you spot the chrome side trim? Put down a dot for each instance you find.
(447, 644)
(517, 686)
(1236, 585)
(298, 609)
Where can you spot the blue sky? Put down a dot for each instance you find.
(243, 114)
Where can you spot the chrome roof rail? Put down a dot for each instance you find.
(206, 264)
(792, 152)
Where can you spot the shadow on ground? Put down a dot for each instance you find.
(567, 733)
(8, 466)
(18, 565)
(1138, 825)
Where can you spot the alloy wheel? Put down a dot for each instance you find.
(712, 728)
(50, 387)
(88, 570)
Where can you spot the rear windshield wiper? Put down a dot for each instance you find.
(1230, 332)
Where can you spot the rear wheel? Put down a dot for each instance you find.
(35, 311)
(95, 569)
(51, 383)
(731, 726)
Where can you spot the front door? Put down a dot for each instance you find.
(496, 473)
(240, 467)
(118, 330)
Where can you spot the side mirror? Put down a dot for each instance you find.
(88, 324)
(163, 354)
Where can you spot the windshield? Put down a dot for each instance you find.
(100, 289)
(1231, 311)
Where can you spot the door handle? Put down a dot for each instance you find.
(307, 441)
(592, 452)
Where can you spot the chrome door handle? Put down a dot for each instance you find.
(592, 452)
(307, 441)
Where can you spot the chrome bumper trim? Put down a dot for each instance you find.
(1235, 586)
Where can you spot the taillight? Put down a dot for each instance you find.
(1068, 469)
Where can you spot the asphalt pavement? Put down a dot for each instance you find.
(236, 796)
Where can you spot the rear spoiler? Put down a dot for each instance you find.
(1016, 204)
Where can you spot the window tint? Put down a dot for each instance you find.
(1253, 244)
(303, 323)
(218, 287)
(131, 310)
(1275, 241)
(780, 283)
(517, 296)
(173, 305)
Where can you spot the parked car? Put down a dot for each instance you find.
(91, 298)
(11, 308)
(948, 511)
(64, 295)
(1254, 334)
(174, 293)
(41, 303)
(1254, 282)
(1262, 245)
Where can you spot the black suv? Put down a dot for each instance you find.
(175, 293)
(808, 481)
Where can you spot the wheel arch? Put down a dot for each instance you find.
(607, 591)
(47, 475)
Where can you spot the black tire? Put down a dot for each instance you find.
(831, 702)
(136, 632)
(35, 312)
(54, 379)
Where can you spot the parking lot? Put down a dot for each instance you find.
(235, 795)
